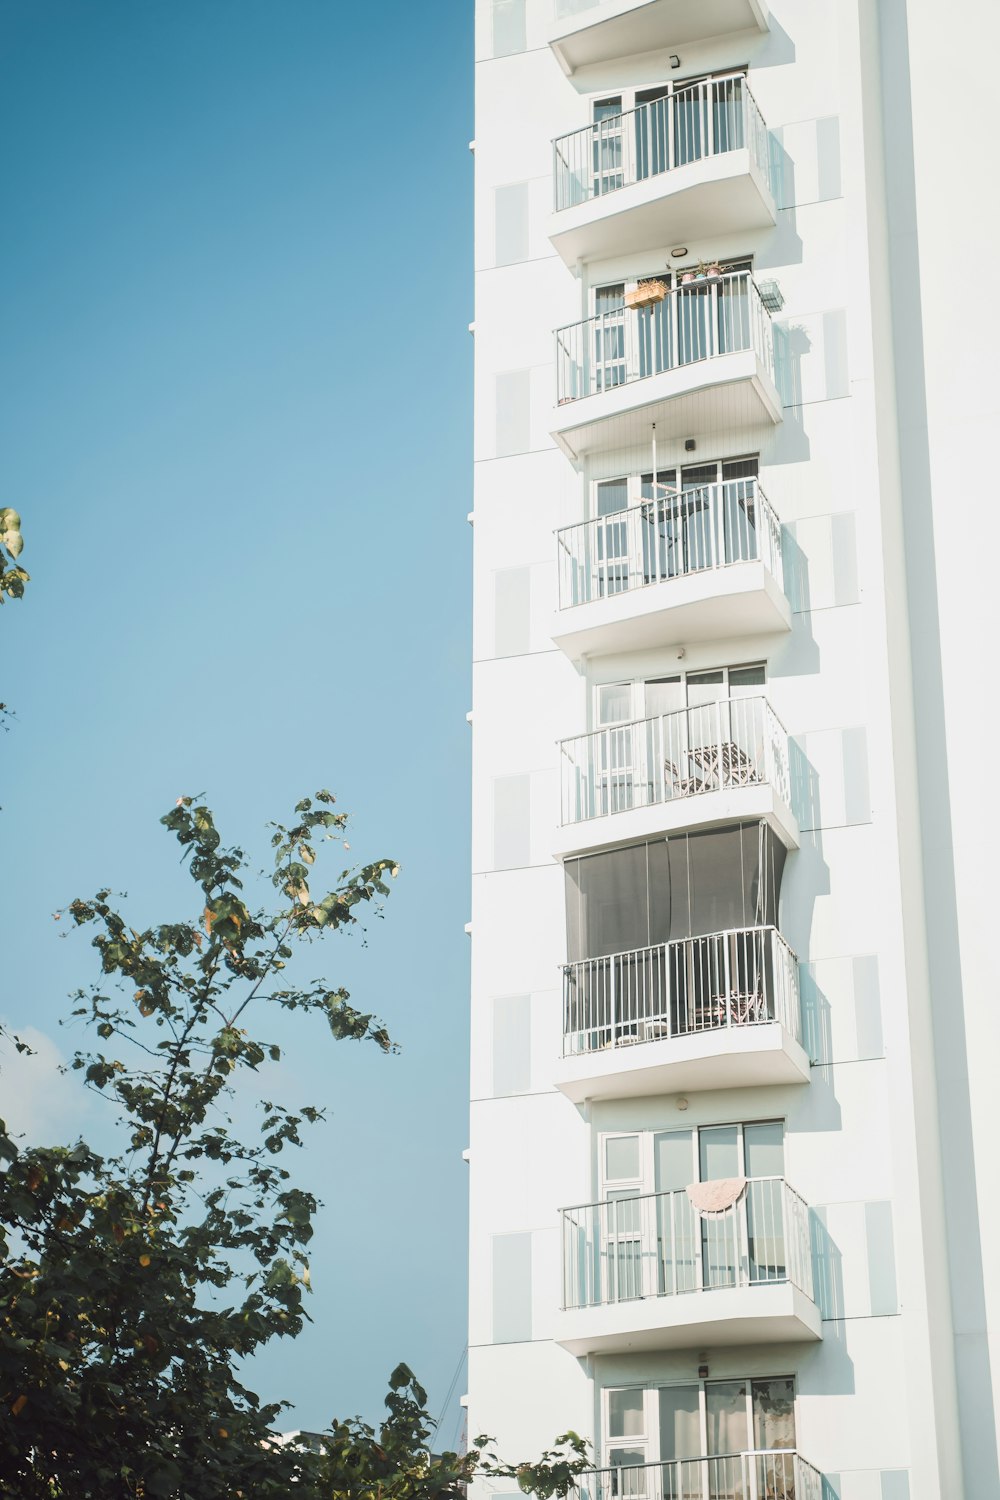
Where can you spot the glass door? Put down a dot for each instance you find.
(614, 769)
(774, 1433)
(719, 1155)
(652, 132)
(739, 513)
(728, 1432)
(676, 1226)
(681, 1449)
(764, 1156)
(699, 491)
(662, 531)
(608, 162)
(612, 550)
(621, 1229)
(706, 692)
(608, 327)
(628, 1446)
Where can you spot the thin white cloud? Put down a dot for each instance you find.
(38, 1102)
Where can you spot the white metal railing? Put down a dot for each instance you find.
(658, 1245)
(717, 746)
(756, 1474)
(699, 120)
(747, 976)
(695, 321)
(676, 533)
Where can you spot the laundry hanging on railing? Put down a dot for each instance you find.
(715, 1198)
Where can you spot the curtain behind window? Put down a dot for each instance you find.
(667, 889)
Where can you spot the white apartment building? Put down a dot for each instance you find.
(734, 1208)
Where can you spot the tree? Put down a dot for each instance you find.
(12, 575)
(135, 1284)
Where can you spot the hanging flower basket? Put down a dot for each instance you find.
(646, 294)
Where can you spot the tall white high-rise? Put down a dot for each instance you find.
(735, 1206)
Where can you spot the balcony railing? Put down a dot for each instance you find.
(658, 1245)
(704, 119)
(757, 1474)
(671, 536)
(697, 321)
(722, 981)
(735, 742)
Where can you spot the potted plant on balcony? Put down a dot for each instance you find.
(646, 294)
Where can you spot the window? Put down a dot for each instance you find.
(655, 1244)
(665, 1161)
(611, 495)
(618, 702)
(679, 1426)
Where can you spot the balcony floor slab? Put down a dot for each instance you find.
(753, 803)
(715, 195)
(742, 599)
(727, 391)
(727, 1058)
(770, 1313)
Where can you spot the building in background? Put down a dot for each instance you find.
(734, 1004)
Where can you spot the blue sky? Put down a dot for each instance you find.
(235, 406)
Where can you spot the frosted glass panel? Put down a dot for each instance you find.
(719, 1152)
(680, 1422)
(621, 1158)
(774, 1413)
(625, 1418)
(764, 1149)
(674, 1161)
(726, 1401)
(614, 702)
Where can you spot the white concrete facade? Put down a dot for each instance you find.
(801, 724)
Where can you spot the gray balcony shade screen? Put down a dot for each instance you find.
(666, 889)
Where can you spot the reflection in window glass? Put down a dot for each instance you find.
(773, 1413)
(726, 1410)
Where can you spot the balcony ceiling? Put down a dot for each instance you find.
(620, 28)
(738, 601)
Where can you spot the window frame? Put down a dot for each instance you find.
(652, 1440)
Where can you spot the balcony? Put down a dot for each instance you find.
(758, 1474)
(716, 1011)
(699, 767)
(701, 564)
(702, 358)
(691, 165)
(652, 1272)
(602, 31)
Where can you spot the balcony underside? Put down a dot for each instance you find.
(715, 809)
(621, 28)
(724, 194)
(742, 599)
(771, 1313)
(727, 1058)
(728, 392)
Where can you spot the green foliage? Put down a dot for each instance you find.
(12, 576)
(134, 1285)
